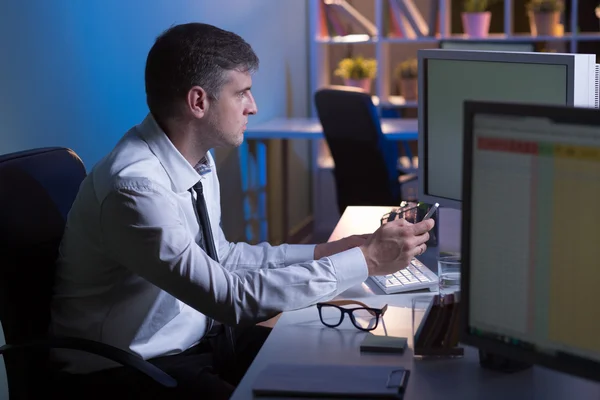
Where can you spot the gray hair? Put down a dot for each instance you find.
(191, 55)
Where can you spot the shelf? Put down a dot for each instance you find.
(586, 36)
(525, 38)
(423, 39)
(493, 37)
(346, 39)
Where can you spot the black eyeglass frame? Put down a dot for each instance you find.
(376, 312)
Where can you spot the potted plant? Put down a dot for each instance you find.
(476, 18)
(544, 17)
(358, 72)
(406, 72)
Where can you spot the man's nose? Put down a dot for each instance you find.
(251, 108)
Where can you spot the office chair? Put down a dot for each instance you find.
(37, 189)
(365, 163)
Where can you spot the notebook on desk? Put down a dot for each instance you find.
(348, 381)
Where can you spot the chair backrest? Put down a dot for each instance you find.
(365, 163)
(37, 189)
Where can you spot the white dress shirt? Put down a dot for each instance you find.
(132, 274)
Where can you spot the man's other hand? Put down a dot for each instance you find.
(394, 244)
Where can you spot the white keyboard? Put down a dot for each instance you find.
(414, 277)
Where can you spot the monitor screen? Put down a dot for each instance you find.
(530, 242)
(448, 83)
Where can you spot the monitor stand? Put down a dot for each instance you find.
(499, 363)
(447, 231)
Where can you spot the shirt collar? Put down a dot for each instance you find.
(182, 175)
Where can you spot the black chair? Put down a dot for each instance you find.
(37, 189)
(365, 163)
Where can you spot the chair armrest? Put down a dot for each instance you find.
(101, 349)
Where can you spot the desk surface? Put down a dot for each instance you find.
(299, 337)
(310, 128)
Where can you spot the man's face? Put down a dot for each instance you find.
(228, 115)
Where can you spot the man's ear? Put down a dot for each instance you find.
(197, 101)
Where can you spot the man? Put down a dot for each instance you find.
(139, 269)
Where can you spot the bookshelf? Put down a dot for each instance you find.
(327, 49)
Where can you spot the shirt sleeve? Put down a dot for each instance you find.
(245, 256)
(143, 231)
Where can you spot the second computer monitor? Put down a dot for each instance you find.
(449, 77)
(530, 240)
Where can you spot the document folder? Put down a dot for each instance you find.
(348, 381)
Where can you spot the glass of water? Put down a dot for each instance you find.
(449, 273)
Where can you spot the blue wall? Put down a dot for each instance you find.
(71, 74)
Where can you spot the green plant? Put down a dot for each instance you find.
(357, 68)
(474, 6)
(546, 6)
(408, 69)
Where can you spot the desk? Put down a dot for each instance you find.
(395, 129)
(299, 337)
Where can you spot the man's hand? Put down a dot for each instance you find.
(330, 248)
(394, 244)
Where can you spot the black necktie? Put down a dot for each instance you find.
(207, 242)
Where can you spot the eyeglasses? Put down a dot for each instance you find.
(363, 317)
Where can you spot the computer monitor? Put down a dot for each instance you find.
(492, 46)
(530, 276)
(449, 77)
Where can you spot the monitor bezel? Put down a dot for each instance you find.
(473, 55)
(569, 364)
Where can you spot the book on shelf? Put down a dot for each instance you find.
(405, 19)
(390, 26)
(323, 28)
(337, 15)
(391, 23)
(411, 13)
(402, 20)
(417, 18)
(335, 22)
(387, 28)
(399, 22)
(434, 17)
